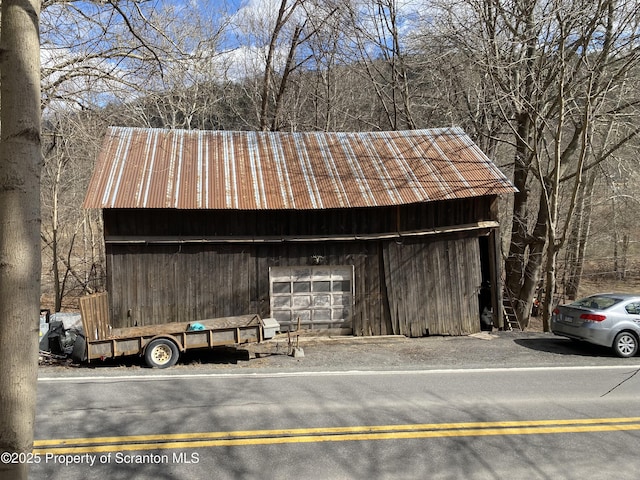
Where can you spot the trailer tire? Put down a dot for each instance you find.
(161, 353)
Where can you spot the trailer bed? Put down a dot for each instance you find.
(103, 341)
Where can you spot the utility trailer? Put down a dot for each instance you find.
(161, 345)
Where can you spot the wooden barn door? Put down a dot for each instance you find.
(433, 287)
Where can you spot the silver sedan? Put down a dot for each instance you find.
(608, 319)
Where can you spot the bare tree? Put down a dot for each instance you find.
(321, 90)
(378, 41)
(285, 12)
(70, 252)
(595, 58)
(577, 241)
(554, 66)
(20, 161)
(96, 54)
(283, 36)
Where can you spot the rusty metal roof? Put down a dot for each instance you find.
(195, 169)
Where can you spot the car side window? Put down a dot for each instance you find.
(633, 308)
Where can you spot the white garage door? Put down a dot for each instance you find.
(320, 296)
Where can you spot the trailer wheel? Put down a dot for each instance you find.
(161, 353)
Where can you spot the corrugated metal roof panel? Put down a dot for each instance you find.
(155, 168)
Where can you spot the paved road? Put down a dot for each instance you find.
(377, 408)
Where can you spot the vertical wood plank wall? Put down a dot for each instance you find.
(156, 284)
(95, 315)
(433, 288)
(416, 286)
(413, 288)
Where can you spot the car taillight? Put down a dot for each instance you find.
(592, 317)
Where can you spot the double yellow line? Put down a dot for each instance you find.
(329, 434)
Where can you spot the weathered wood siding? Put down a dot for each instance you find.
(95, 315)
(413, 289)
(153, 284)
(433, 287)
(411, 286)
(140, 224)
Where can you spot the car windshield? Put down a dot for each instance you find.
(596, 302)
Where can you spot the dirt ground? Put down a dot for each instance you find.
(392, 353)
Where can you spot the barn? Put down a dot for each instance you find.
(363, 233)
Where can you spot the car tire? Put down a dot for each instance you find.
(161, 353)
(625, 344)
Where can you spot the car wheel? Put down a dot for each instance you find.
(161, 353)
(625, 344)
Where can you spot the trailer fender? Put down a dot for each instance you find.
(173, 338)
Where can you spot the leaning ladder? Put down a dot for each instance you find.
(511, 318)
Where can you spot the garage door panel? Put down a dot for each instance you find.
(320, 297)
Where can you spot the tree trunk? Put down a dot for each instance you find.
(516, 260)
(288, 68)
(578, 240)
(56, 271)
(281, 20)
(550, 286)
(20, 268)
(533, 266)
(625, 254)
